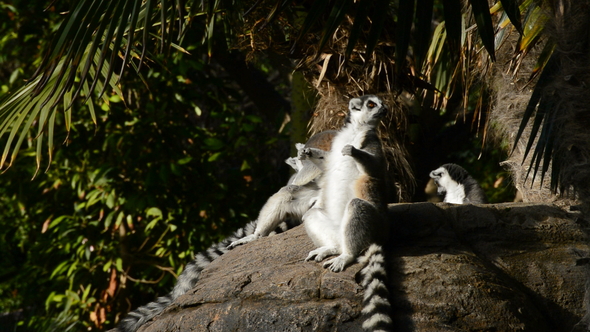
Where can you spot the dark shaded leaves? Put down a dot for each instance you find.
(483, 19)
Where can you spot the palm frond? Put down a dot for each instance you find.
(90, 52)
(25, 109)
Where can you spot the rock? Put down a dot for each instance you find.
(506, 267)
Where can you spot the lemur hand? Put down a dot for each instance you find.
(348, 150)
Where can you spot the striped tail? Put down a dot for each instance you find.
(189, 277)
(376, 306)
(186, 280)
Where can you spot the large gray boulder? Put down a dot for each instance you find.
(505, 267)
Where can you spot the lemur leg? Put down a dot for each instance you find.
(357, 233)
(275, 210)
(293, 162)
(322, 232)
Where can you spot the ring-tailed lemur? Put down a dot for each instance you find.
(350, 214)
(298, 196)
(457, 185)
(281, 212)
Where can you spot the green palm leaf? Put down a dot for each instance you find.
(83, 57)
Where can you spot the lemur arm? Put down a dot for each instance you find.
(308, 172)
(366, 159)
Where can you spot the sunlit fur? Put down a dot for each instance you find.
(350, 213)
(291, 201)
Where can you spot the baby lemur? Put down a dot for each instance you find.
(350, 214)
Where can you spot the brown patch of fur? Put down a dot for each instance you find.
(362, 188)
(321, 140)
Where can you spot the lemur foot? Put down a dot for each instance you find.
(292, 162)
(339, 263)
(299, 146)
(244, 240)
(320, 253)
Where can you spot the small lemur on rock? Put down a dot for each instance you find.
(457, 186)
(350, 214)
(281, 212)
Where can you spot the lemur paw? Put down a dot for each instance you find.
(299, 146)
(292, 162)
(310, 256)
(347, 150)
(320, 253)
(339, 263)
(244, 240)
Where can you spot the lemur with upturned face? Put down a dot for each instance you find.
(281, 212)
(298, 196)
(350, 215)
(457, 186)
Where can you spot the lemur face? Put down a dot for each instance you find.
(442, 179)
(368, 109)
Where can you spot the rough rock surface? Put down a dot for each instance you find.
(506, 267)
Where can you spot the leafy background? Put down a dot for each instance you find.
(125, 201)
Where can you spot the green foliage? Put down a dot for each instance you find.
(128, 201)
(125, 202)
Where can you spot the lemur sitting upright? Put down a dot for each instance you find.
(281, 212)
(350, 214)
(457, 186)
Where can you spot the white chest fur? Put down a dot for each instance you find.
(341, 172)
(455, 193)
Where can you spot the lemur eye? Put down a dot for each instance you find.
(371, 104)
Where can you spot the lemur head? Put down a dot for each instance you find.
(367, 109)
(448, 176)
